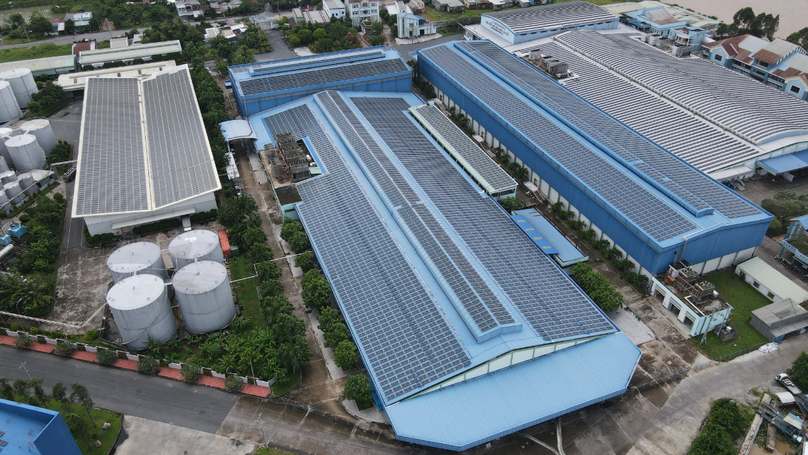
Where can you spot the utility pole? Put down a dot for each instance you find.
(261, 422)
(22, 367)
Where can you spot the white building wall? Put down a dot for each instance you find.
(103, 224)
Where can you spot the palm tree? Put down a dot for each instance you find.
(288, 357)
(227, 363)
(26, 295)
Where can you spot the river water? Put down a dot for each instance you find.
(793, 13)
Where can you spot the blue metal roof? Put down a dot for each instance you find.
(659, 197)
(567, 252)
(785, 163)
(32, 430)
(537, 237)
(803, 221)
(485, 408)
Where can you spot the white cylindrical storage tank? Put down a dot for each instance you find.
(8, 177)
(204, 296)
(9, 109)
(14, 193)
(3, 164)
(199, 244)
(22, 82)
(141, 310)
(41, 128)
(139, 257)
(5, 133)
(4, 202)
(27, 183)
(26, 154)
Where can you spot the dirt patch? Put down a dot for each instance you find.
(657, 396)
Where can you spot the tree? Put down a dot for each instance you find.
(305, 260)
(270, 288)
(268, 271)
(77, 425)
(40, 25)
(93, 25)
(36, 384)
(15, 20)
(274, 306)
(20, 386)
(336, 334)
(614, 254)
(315, 289)
(252, 236)
(799, 371)
(299, 242)
(346, 355)
(62, 152)
(328, 317)
(358, 388)
(81, 397)
(6, 390)
(588, 234)
(746, 22)
(70, 27)
(800, 38)
(290, 227)
(725, 423)
(511, 204)
(597, 287)
(59, 393)
(601, 245)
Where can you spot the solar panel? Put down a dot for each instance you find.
(496, 178)
(321, 76)
(588, 166)
(181, 160)
(111, 170)
(404, 336)
(555, 308)
(555, 15)
(709, 90)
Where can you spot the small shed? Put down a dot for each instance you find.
(451, 6)
(780, 319)
(770, 282)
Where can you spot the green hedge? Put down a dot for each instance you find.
(158, 226)
(98, 238)
(203, 217)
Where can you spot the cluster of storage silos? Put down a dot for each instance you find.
(201, 288)
(16, 88)
(24, 149)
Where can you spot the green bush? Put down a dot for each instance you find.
(358, 388)
(64, 348)
(637, 280)
(148, 365)
(92, 335)
(97, 239)
(233, 383)
(22, 341)
(577, 225)
(346, 356)
(190, 373)
(597, 287)
(799, 371)
(162, 225)
(105, 356)
(725, 423)
(203, 217)
(299, 242)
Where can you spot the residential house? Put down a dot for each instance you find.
(334, 8)
(362, 10)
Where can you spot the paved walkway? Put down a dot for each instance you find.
(148, 436)
(127, 364)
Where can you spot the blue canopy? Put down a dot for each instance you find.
(785, 163)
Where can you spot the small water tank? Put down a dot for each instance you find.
(22, 82)
(5, 204)
(199, 244)
(204, 296)
(5, 133)
(27, 183)
(41, 128)
(14, 193)
(26, 154)
(139, 257)
(8, 177)
(141, 310)
(9, 109)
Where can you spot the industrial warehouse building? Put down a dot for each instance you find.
(650, 204)
(468, 330)
(527, 24)
(708, 121)
(261, 86)
(30, 429)
(144, 154)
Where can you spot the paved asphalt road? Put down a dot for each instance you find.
(190, 406)
(66, 126)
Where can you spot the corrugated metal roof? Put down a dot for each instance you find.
(779, 311)
(555, 15)
(775, 281)
(660, 16)
(130, 52)
(488, 407)
(60, 62)
(77, 81)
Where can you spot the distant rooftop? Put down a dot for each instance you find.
(132, 52)
(556, 15)
(51, 65)
(77, 81)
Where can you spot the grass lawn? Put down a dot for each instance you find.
(266, 451)
(280, 388)
(241, 267)
(40, 51)
(744, 299)
(107, 437)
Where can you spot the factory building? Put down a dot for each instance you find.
(468, 330)
(143, 153)
(128, 54)
(261, 86)
(526, 24)
(30, 429)
(746, 131)
(653, 206)
(74, 83)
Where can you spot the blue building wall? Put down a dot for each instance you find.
(54, 439)
(716, 242)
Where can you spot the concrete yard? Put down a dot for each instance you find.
(149, 436)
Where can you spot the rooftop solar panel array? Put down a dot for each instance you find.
(555, 308)
(299, 62)
(489, 171)
(321, 77)
(112, 169)
(556, 16)
(705, 88)
(405, 337)
(469, 288)
(658, 219)
(657, 165)
(181, 161)
(695, 140)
